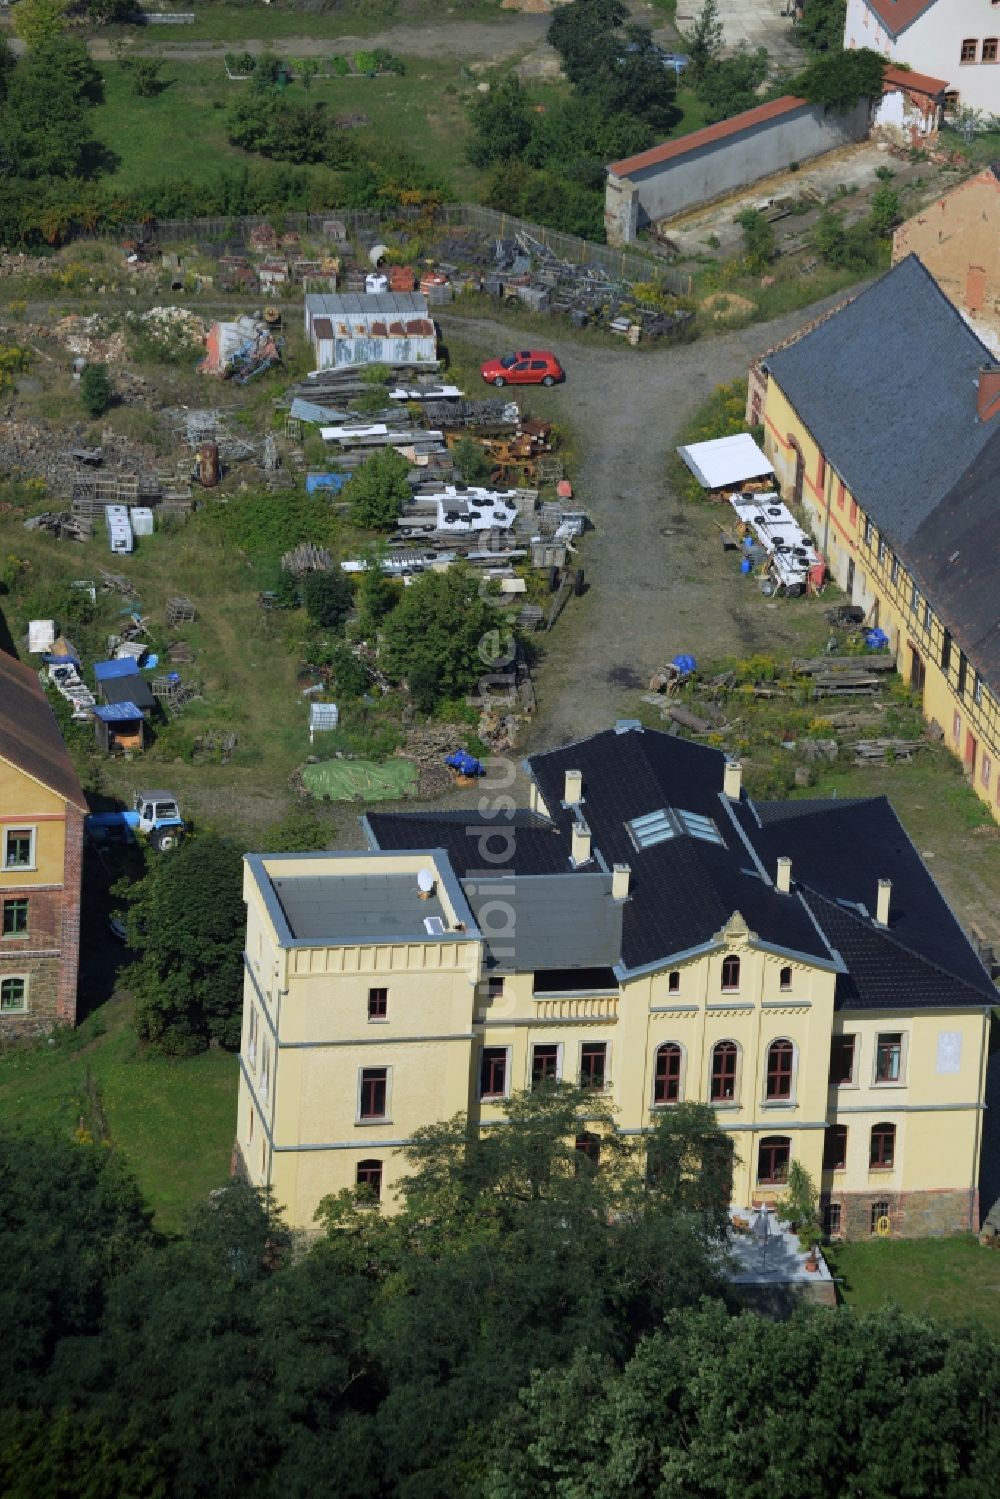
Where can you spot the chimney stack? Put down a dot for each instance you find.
(988, 392)
(783, 883)
(573, 791)
(621, 879)
(732, 780)
(581, 843)
(882, 902)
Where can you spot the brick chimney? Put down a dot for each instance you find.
(988, 392)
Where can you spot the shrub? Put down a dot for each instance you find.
(328, 597)
(96, 390)
(378, 491)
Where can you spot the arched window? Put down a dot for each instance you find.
(780, 1058)
(785, 978)
(369, 1181)
(588, 1152)
(882, 1156)
(773, 1155)
(730, 973)
(667, 1074)
(725, 1055)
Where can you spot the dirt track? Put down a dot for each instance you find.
(656, 581)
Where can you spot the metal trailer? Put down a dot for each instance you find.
(120, 537)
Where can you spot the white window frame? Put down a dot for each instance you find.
(25, 979)
(725, 1103)
(252, 1026)
(681, 1082)
(18, 830)
(489, 1097)
(791, 1102)
(904, 1060)
(607, 1066)
(265, 1070)
(385, 1118)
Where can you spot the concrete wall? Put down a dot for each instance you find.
(933, 45)
(958, 240)
(720, 167)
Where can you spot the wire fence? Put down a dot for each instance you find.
(351, 223)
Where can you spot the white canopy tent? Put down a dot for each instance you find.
(726, 462)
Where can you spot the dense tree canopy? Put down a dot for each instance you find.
(822, 26)
(378, 490)
(187, 920)
(529, 1322)
(442, 636)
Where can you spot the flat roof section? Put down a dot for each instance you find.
(366, 906)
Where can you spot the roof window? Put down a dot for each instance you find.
(658, 827)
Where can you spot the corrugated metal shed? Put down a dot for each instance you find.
(356, 329)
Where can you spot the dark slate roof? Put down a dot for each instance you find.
(565, 921)
(521, 844)
(887, 386)
(29, 734)
(839, 853)
(685, 889)
(128, 689)
(947, 556)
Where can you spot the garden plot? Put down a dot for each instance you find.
(360, 780)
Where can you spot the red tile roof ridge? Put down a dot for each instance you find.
(708, 135)
(906, 78)
(898, 14)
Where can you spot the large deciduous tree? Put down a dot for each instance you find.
(187, 921)
(378, 490)
(441, 637)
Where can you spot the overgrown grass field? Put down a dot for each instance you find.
(174, 1121)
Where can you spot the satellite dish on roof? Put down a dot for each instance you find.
(425, 881)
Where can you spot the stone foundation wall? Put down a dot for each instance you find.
(912, 1215)
(42, 1014)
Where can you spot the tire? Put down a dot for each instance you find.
(164, 839)
(499, 382)
(549, 380)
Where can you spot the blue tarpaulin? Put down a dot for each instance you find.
(123, 667)
(117, 712)
(464, 763)
(685, 664)
(335, 482)
(876, 640)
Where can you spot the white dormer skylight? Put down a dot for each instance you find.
(658, 827)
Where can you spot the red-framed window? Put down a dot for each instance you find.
(667, 1074)
(593, 1064)
(588, 1152)
(780, 1060)
(773, 1155)
(853, 511)
(730, 974)
(882, 1156)
(378, 1004)
(835, 1148)
(493, 1072)
(374, 1092)
(724, 1059)
(785, 978)
(544, 1065)
(842, 1059)
(990, 48)
(368, 1180)
(970, 49)
(889, 1058)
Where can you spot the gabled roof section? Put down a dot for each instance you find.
(29, 734)
(697, 140)
(477, 846)
(897, 15)
(887, 387)
(947, 556)
(839, 852)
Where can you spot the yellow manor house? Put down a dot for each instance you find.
(645, 930)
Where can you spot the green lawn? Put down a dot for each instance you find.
(172, 1120)
(425, 111)
(956, 1280)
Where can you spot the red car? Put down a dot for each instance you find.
(526, 367)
